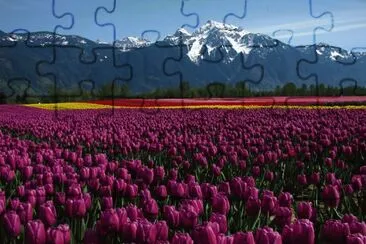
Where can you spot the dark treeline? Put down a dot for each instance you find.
(215, 89)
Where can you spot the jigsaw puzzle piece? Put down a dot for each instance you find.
(98, 72)
(20, 52)
(119, 17)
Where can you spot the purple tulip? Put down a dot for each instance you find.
(220, 204)
(171, 215)
(357, 227)
(2, 206)
(147, 175)
(75, 208)
(221, 220)
(109, 221)
(204, 234)
(188, 217)
(178, 189)
(25, 212)
(151, 208)
(129, 231)
(195, 190)
(223, 239)
(356, 181)
(283, 216)
(131, 190)
(266, 235)
(304, 210)
(224, 187)
(107, 203)
(133, 212)
(356, 239)
(59, 235)
(335, 231)
(146, 232)
(241, 237)
(252, 206)
(60, 198)
(302, 180)
(47, 213)
(269, 176)
(31, 197)
(331, 195)
(119, 186)
(14, 203)
(162, 230)
(159, 173)
(301, 232)
(349, 218)
(35, 232)
(285, 199)
(161, 192)
(269, 204)
(181, 238)
(315, 178)
(11, 223)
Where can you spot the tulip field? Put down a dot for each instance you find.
(266, 175)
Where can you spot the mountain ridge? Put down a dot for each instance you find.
(214, 52)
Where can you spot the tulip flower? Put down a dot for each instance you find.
(133, 212)
(204, 234)
(195, 190)
(11, 223)
(269, 204)
(161, 192)
(75, 208)
(285, 199)
(304, 210)
(241, 237)
(59, 235)
(220, 204)
(335, 231)
(188, 217)
(162, 231)
(35, 232)
(266, 235)
(223, 239)
(47, 213)
(349, 218)
(107, 203)
(181, 238)
(151, 208)
(131, 190)
(356, 239)
(109, 221)
(331, 195)
(171, 215)
(302, 232)
(146, 232)
(283, 216)
(25, 212)
(252, 206)
(221, 220)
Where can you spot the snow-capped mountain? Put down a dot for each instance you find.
(128, 43)
(213, 52)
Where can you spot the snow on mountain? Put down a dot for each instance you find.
(129, 43)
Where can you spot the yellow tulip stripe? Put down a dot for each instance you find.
(67, 106)
(70, 106)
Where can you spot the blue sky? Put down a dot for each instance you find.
(149, 17)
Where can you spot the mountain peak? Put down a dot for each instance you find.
(212, 24)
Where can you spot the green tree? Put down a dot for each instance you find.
(289, 89)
